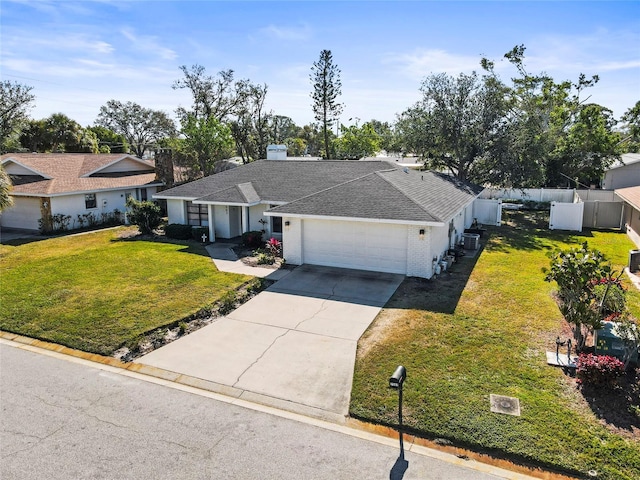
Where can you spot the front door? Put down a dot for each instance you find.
(235, 222)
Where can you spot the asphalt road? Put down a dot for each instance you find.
(67, 420)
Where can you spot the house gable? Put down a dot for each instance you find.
(126, 165)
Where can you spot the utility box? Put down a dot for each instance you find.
(634, 260)
(471, 241)
(607, 342)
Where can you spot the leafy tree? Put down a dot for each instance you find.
(357, 142)
(15, 101)
(283, 128)
(296, 147)
(145, 215)
(631, 129)
(206, 142)
(578, 272)
(35, 137)
(58, 133)
(455, 123)
(109, 141)
(586, 148)
(327, 87)
(312, 136)
(541, 117)
(142, 127)
(251, 129)
(389, 140)
(219, 97)
(6, 200)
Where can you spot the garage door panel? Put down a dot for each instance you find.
(360, 245)
(24, 213)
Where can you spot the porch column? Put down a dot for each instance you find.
(245, 219)
(211, 217)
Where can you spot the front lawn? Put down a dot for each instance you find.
(98, 291)
(483, 329)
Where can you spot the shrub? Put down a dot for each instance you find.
(275, 247)
(227, 303)
(197, 232)
(615, 300)
(146, 215)
(252, 239)
(598, 370)
(178, 231)
(265, 259)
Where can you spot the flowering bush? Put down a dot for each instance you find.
(275, 247)
(598, 370)
(252, 239)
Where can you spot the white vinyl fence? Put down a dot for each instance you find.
(566, 216)
(488, 211)
(532, 194)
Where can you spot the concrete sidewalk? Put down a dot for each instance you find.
(292, 346)
(226, 260)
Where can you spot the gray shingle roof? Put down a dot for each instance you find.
(389, 195)
(351, 189)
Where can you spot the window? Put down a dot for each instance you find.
(143, 194)
(276, 224)
(90, 200)
(196, 214)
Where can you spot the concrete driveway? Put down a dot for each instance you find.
(292, 346)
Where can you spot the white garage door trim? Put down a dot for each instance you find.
(377, 247)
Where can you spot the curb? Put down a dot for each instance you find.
(482, 462)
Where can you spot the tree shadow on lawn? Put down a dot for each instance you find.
(619, 407)
(529, 230)
(439, 294)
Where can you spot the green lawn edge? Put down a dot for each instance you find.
(491, 337)
(97, 292)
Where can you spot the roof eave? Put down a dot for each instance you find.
(356, 219)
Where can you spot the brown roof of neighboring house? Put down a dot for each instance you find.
(631, 195)
(61, 173)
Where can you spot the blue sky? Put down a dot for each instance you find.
(79, 55)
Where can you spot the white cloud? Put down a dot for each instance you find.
(302, 32)
(148, 44)
(422, 62)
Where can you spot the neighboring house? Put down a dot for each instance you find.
(624, 173)
(631, 212)
(73, 184)
(354, 214)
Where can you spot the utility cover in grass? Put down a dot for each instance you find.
(506, 405)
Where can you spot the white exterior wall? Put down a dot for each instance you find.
(621, 177)
(176, 211)
(292, 240)
(439, 241)
(255, 215)
(566, 216)
(24, 213)
(419, 258)
(221, 221)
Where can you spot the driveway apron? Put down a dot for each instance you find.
(293, 345)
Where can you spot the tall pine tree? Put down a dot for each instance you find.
(325, 77)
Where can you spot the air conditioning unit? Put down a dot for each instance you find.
(634, 260)
(471, 241)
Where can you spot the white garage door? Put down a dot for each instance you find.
(24, 213)
(365, 246)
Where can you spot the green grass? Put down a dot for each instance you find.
(485, 329)
(96, 292)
